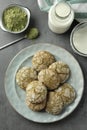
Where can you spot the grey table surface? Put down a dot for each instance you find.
(9, 118)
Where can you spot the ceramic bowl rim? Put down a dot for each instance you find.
(27, 11)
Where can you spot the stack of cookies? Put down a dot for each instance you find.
(36, 94)
(45, 83)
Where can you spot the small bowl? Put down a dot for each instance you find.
(27, 11)
(78, 39)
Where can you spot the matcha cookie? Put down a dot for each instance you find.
(42, 60)
(67, 92)
(54, 103)
(50, 78)
(36, 92)
(36, 106)
(24, 76)
(62, 69)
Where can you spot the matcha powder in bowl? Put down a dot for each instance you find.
(15, 18)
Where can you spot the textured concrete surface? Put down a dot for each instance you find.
(9, 118)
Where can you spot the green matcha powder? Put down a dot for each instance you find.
(15, 19)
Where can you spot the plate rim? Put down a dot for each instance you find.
(45, 44)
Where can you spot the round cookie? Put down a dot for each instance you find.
(50, 78)
(54, 103)
(42, 60)
(36, 106)
(36, 92)
(62, 69)
(24, 76)
(67, 92)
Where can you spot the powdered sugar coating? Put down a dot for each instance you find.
(24, 76)
(42, 60)
(54, 103)
(67, 92)
(62, 69)
(50, 78)
(36, 92)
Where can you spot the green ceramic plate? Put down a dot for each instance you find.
(16, 96)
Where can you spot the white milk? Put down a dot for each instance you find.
(60, 17)
(80, 39)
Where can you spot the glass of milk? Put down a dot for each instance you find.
(78, 39)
